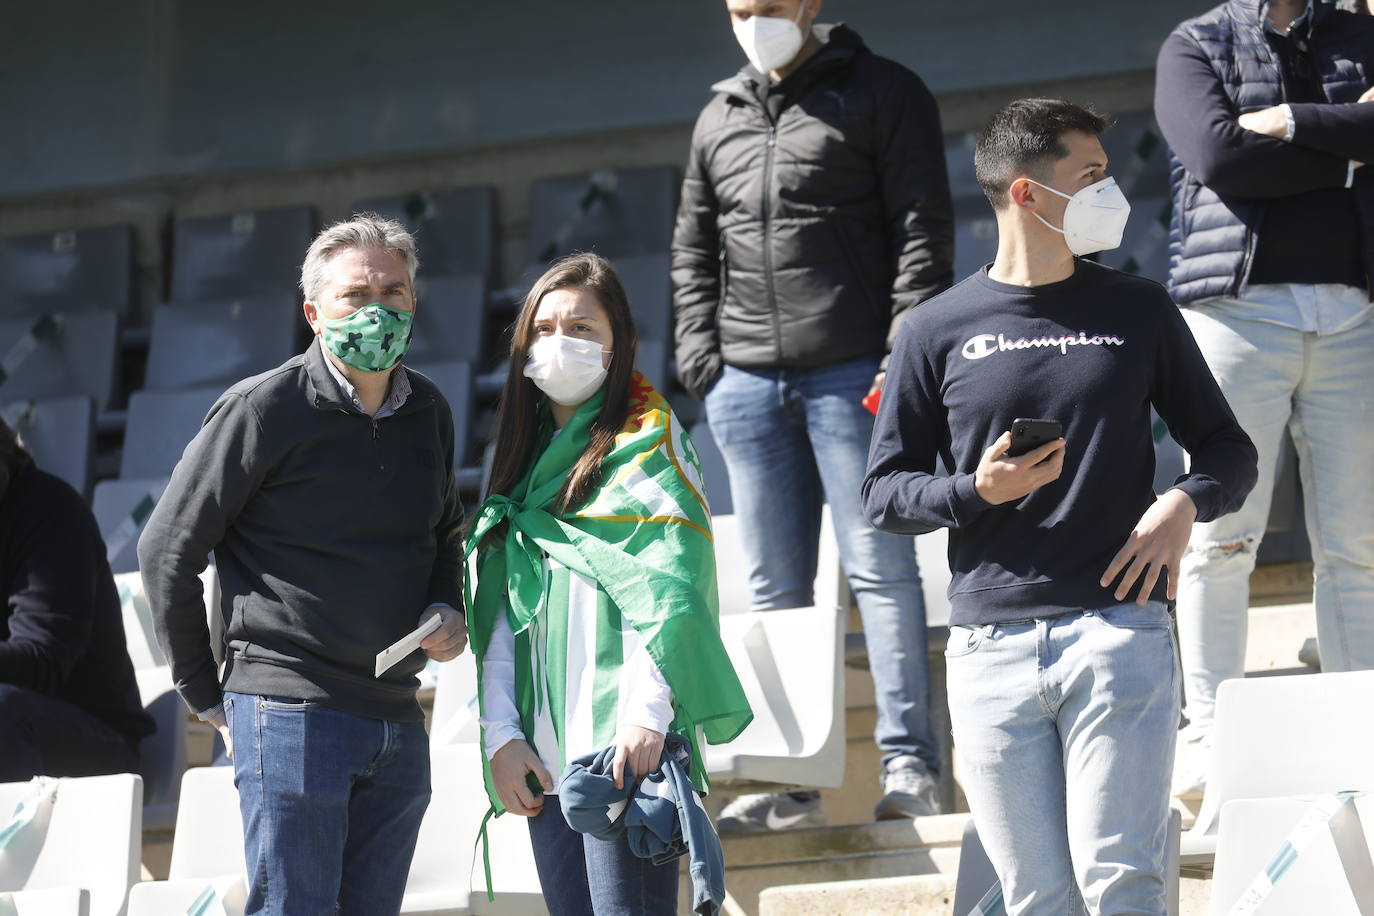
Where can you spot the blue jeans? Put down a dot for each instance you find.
(1066, 729)
(582, 876)
(792, 439)
(1317, 386)
(331, 805)
(45, 736)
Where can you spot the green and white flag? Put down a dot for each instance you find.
(644, 538)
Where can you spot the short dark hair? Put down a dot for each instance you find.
(1026, 138)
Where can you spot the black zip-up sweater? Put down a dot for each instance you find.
(61, 630)
(331, 532)
(1094, 352)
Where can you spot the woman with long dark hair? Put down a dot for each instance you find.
(594, 620)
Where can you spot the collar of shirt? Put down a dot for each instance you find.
(397, 393)
(1297, 25)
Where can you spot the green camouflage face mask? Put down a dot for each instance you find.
(372, 339)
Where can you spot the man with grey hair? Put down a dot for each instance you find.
(325, 489)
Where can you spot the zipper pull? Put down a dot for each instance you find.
(772, 135)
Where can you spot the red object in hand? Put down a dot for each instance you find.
(871, 400)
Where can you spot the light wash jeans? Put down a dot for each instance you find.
(791, 439)
(1321, 388)
(331, 806)
(1065, 728)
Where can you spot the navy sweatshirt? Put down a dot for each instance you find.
(1094, 352)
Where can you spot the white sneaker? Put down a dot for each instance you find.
(765, 812)
(1191, 760)
(909, 791)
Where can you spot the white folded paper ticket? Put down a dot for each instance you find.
(406, 644)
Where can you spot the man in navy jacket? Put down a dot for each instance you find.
(1266, 107)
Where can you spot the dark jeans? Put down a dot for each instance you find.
(584, 876)
(331, 805)
(44, 736)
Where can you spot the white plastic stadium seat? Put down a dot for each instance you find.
(790, 664)
(1284, 736)
(144, 651)
(89, 837)
(445, 875)
(207, 849)
(59, 901)
(455, 717)
(1253, 830)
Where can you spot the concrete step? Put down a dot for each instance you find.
(912, 895)
(840, 854)
(916, 895)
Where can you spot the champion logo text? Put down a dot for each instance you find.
(981, 345)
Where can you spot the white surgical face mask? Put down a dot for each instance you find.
(1095, 218)
(770, 42)
(567, 369)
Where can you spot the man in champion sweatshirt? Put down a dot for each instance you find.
(1063, 689)
(325, 489)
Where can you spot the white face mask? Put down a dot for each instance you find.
(567, 369)
(1095, 218)
(770, 42)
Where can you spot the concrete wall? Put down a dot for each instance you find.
(102, 93)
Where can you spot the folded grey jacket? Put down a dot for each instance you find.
(662, 818)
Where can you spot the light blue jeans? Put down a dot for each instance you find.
(792, 439)
(1065, 729)
(1321, 388)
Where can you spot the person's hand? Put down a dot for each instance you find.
(221, 725)
(1159, 539)
(1368, 95)
(1271, 122)
(1000, 479)
(638, 750)
(508, 768)
(877, 388)
(450, 639)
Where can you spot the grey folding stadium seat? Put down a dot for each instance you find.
(220, 343)
(59, 434)
(121, 509)
(239, 254)
(76, 354)
(68, 271)
(454, 380)
(161, 423)
(455, 230)
(649, 286)
(450, 319)
(620, 213)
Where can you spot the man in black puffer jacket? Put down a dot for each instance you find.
(815, 213)
(1267, 106)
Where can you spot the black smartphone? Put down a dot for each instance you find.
(1029, 435)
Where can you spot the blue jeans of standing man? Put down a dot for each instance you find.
(331, 805)
(1066, 726)
(792, 439)
(1319, 385)
(583, 876)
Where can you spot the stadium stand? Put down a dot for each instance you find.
(60, 355)
(161, 423)
(121, 509)
(450, 319)
(239, 254)
(222, 342)
(454, 380)
(614, 213)
(1299, 728)
(85, 835)
(60, 435)
(73, 270)
(455, 229)
(790, 663)
(61, 901)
